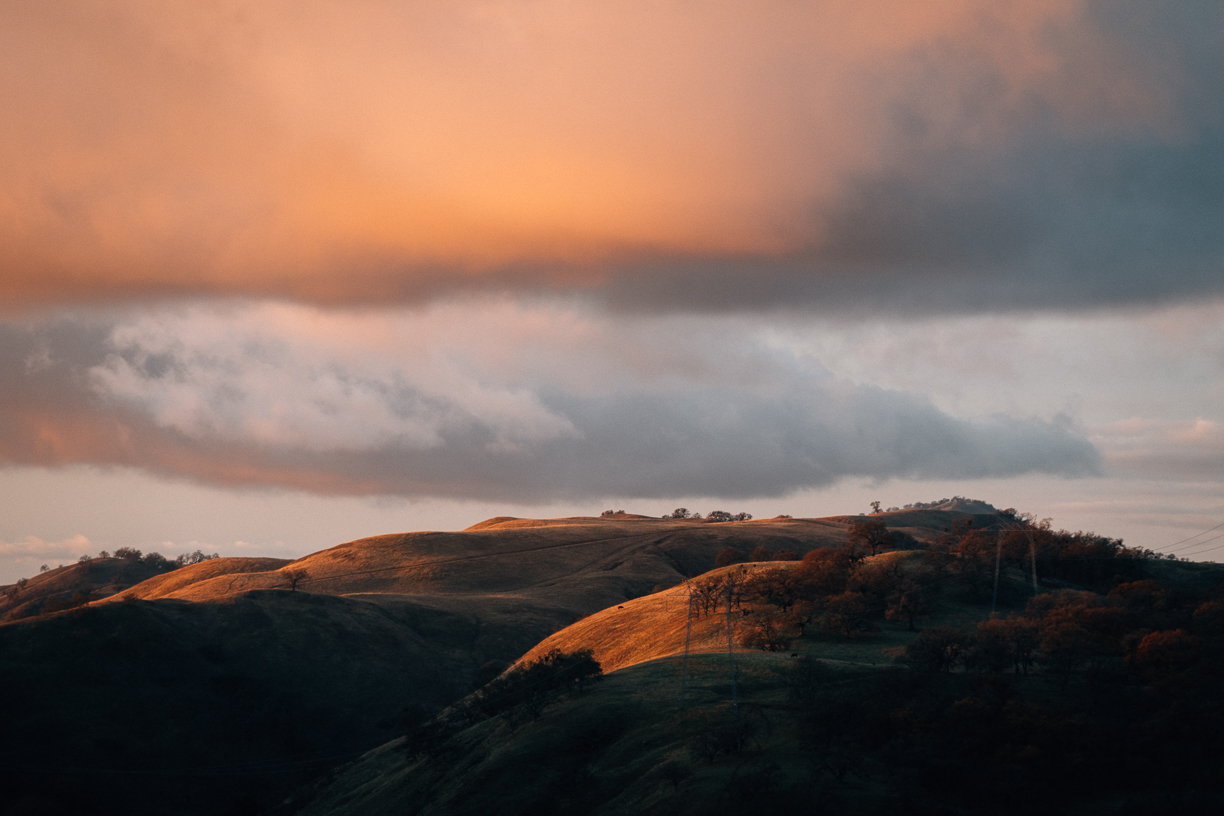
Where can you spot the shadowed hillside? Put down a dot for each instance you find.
(223, 685)
(76, 585)
(1102, 694)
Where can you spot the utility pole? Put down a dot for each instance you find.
(731, 651)
(1022, 527)
(998, 555)
(1033, 555)
(688, 635)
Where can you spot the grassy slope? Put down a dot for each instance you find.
(567, 561)
(158, 693)
(655, 626)
(629, 726)
(98, 578)
(602, 752)
(212, 664)
(626, 747)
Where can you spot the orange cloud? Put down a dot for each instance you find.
(386, 149)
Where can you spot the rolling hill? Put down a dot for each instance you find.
(1104, 722)
(75, 585)
(219, 689)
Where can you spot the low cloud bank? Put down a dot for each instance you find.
(288, 396)
(1183, 450)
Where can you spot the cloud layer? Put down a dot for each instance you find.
(946, 155)
(1175, 449)
(485, 400)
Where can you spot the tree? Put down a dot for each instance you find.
(1166, 657)
(868, 534)
(729, 588)
(128, 554)
(156, 559)
(294, 577)
(938, 649)
(197, 557)
(990, 648)
(729, 555)
(679, 513)
(764, 629)
(536, 684)
(718, 515)
(706, 595)
(875, 507)
(907, 601)
(1024, 637)
(846, 614)
(825, 571)
(17, 587)
(1208, 619)
(782, 588)
(976, 552)
(761, 553)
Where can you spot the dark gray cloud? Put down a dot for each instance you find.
(1060, 207)
(420, 439)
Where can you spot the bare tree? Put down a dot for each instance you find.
(870, 534)
(293, 577)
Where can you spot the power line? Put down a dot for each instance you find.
(1191, 549)
(1196, 535)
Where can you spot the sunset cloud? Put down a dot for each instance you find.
(33, 547)
(937, 156)
(1162, 448)
(266, 265)
(427, 405)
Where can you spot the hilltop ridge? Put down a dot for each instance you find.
(311, 661)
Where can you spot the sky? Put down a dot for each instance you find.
(279, 275)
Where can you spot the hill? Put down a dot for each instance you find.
(927, 522)
(219, 688)
(582, 563)
(834, 722)
(648, 628)
(73, 585)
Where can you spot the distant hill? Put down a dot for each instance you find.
(73, 585)
(962, 505)
(219, 688)
(573, 565)
(834, 723)
(923, 521)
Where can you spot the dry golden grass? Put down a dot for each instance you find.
(222, 650)
(647, 628)
(580, 563)
(205, 581)
(654, 627)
